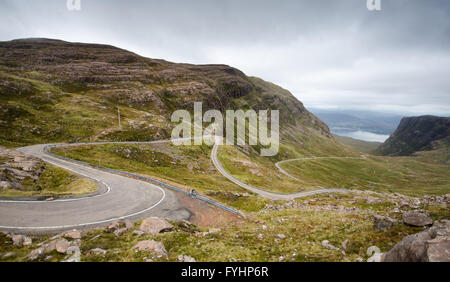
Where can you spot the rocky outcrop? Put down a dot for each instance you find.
(15, 167)
(416, 134)
(430, 245)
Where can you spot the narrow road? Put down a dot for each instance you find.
(262, 192)
(309, 158)
(124, 198)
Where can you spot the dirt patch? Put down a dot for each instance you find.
(204, 214)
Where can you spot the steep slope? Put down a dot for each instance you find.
(416, 134)
(56, 91)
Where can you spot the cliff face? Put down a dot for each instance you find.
(416, 134)
(56, 91)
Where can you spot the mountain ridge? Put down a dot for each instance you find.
(414, 134)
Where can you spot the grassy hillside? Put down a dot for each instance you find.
(56, 91)
(358, 145)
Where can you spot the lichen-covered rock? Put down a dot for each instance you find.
(383, 222)
(151, 246)
(432, 244)
(416, 218)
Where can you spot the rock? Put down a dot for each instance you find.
(154, 225)
(151, 246)
(447, 197)
(280, 236)
(264, 227)
(138, 232)
(359, 260)
(326, 244)
(21, 240)
(383, 222)
(374, 253)
(46, 248)
(416, 218)
(5, 185)
(183, 258)
(76, 254)
(113, 226)
(213, 231)
(97, 252)
(429, 245)
(260, 236)
(62, 245)
(74, 234)
(344, 245)
(120, 231)
(373, 200)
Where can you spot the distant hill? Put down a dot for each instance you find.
(352, 120)
(414, 134)
(358, 145)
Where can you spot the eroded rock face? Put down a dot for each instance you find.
(430, 245)
(416, 218)
(154, 225)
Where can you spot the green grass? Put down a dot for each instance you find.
(405, 175)
(358, 145)
(304, 230)
(183, 166)
(258, 171)
(53, 182)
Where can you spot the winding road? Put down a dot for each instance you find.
(120, 197)
(123, 198)
(265, 193)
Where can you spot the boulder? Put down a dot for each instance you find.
(383, 222)
(154, 225)
(151, 246)
(76, 254)
(21, 240)
(430, 245)
(74, 234)
(62, 245)
(416, 218)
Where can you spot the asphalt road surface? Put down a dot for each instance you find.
(122, 198)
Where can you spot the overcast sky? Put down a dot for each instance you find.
(329, 54)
